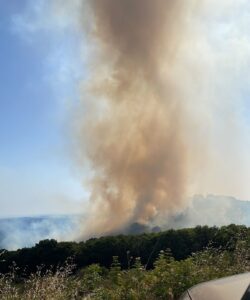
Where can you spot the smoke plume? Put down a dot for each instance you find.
(134, 133)
(164, 105)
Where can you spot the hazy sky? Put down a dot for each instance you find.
(37, 81)
(43, 61)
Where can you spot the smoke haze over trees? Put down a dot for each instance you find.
(211, 210)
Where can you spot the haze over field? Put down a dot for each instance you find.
(122, 110)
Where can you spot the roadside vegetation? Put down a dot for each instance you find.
(165, 278)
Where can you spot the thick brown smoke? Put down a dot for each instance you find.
(134, 132)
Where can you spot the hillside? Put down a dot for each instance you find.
(182, 243)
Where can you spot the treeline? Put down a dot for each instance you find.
(182, 243)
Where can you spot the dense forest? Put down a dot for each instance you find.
(182, 243)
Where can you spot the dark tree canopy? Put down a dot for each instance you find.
(182, 243)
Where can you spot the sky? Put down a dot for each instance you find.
(43, 60)
(37, 84)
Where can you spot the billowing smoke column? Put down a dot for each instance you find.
(134, 131)
(164, 109)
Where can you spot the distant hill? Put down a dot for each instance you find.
(210, 210)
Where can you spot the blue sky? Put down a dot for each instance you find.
(37, 83)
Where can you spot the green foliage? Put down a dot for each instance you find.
(128, 276)
(182, 242)
(167, 280)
